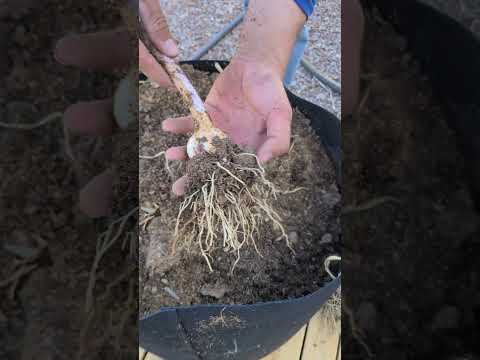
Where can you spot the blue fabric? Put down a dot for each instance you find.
(297, 54)
(306, 6)
(301, 43)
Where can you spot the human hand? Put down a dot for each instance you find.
(108, 51)
(249, 103)
(156, 26)
(95, 51)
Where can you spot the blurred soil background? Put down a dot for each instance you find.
(47, 246)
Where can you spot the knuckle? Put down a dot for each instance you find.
(159, 24)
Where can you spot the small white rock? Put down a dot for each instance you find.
(326, 239)
(293, 237)
(217, 291)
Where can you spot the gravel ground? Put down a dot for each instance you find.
(192, 22)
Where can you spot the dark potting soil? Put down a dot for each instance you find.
(42, 315)
(310, 217)
(405, 262)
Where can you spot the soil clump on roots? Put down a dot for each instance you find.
(283, 258)
(200, 168)
(227, 201)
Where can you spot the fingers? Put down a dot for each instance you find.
(149, 66)
(157, 27)
(278, 135)
(179, 187)
(106, 50)
(177, 153)
(91, 118)
(95, 198)
(180, 125)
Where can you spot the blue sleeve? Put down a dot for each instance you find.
(306, 6)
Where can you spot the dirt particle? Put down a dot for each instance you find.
(326, 239)
(293, 237)
(217, 290)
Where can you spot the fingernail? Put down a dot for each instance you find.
(170, 48)
(95, 199)
(176, 190)
(165, 124)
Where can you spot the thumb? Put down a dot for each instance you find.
(278, 135)
(95, 198)
(157, 27)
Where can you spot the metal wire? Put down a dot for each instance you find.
(215, 39)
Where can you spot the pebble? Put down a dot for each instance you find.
(326, 239)
(217, 291)
(172, 293)
(164, 281)
(293, 237)
(447, 318)
(154, 289)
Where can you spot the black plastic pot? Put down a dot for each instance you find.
(175, 334)
(450, 57)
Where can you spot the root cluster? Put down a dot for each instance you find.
(106, 313)
(227, 210)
